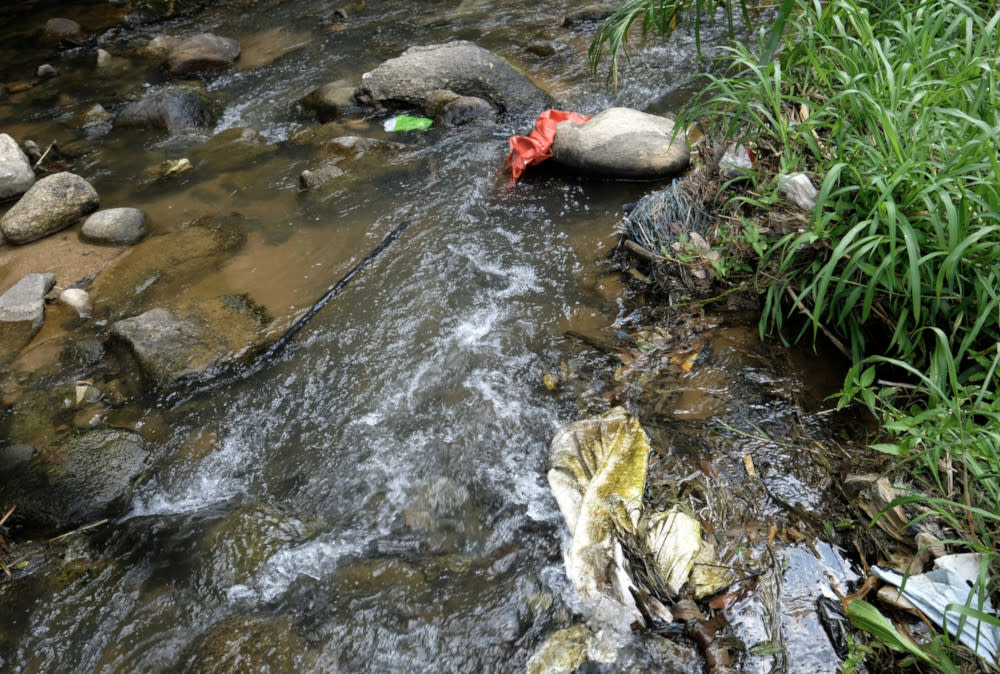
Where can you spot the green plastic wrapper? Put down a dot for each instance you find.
(408, 123)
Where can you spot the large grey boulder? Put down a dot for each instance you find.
(22, 310)
(76, 480)
(460, 67)
(172, 108)
(16, 175)
(202, 53)
(622, 143)
(53, 203)
(115, 226)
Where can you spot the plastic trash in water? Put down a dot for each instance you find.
(949, 585)
(407, 123)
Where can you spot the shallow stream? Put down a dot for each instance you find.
(376, 499)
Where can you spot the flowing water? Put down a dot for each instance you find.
(376, 499)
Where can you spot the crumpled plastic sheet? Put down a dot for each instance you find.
(934, 591)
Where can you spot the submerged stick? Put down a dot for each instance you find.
(334, 290)
(267, 356)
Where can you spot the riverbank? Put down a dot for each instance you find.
(887, 114)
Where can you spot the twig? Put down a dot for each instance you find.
(44, 155)
(639, 251)
(836, 342)
(4, 518)
(77, 531)
(899, 384)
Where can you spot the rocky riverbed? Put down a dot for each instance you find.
(182, 180)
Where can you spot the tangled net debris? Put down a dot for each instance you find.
(660, 218)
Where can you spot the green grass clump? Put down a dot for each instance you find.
(902, 136)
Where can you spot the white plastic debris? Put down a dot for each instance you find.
(798, 190)
(951, 583)
(735, 163)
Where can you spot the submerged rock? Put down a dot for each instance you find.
(76, 480)
(234, 149)
(16, 175)
(202, 53)
(460, 67)
(563, 652)
(173, 108)
(64, 29)
(146, 275)
(22, 310)
(236, 550)
(622, 143)
(94, 122)
(115, 226)
(589, 14)
(52, 204)
(317, 177)
(353, 148)
(192, 342)
(249, 643)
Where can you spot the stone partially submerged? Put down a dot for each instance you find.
(52, 204)
(22, 309)
(193, 341)
(202, 53)
(76, 480)
(16, 175)
(172, 108)
(621, 143)
(460, 67)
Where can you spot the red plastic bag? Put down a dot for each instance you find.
(527, 151)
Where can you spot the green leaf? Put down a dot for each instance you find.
(866, 617)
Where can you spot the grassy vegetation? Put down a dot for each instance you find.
(893, 108)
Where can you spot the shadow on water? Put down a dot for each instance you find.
(375, 500)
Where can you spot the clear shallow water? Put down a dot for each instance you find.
(376, 499)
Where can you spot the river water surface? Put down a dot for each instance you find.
(376, 499)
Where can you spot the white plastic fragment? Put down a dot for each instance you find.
(735, 163)
(951, 584)
(798, 190)
(674, 537)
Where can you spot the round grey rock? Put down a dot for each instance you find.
(173, 108)
(115, 227)
(201, 53)
(622, 143)
(461, 67)
(16, 175)
(53, 203)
